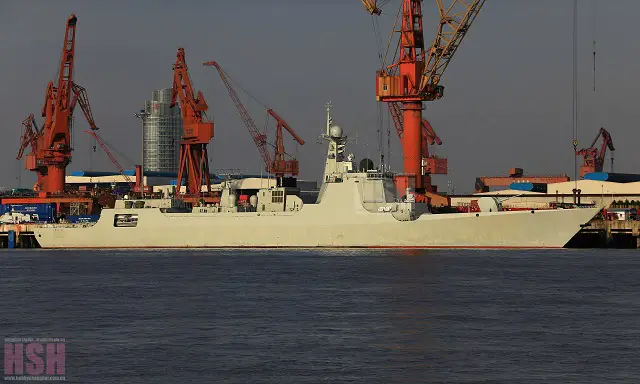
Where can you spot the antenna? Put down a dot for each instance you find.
(329, 119)
(575, 98)
(595, 25)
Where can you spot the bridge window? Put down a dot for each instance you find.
(125, 220)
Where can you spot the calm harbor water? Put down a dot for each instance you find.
(227, 316)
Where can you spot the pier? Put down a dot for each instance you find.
(600, 233)
(18, 236)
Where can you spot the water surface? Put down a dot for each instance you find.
(227, 316)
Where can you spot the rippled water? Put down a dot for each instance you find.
(215, 316)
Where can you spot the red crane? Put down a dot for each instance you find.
(431, 164)
(594, 157)
(197, 133)
(51, 145)
(415, 77)
(278, 165)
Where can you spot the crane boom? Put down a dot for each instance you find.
(276, 165)
(371, 7)
(80, 96)
(455, 20)
(286, 126)
(259, 139)
(280, 166)
(28, 136)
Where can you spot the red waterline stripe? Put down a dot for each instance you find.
(324, 247)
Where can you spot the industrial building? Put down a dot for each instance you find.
(591, 192)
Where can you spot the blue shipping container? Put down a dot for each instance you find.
(44, 212)
(613, 177)
(529, 187)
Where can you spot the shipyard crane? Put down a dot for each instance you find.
(197, 132)
(51, 144)
(414, 77)
(594, 157)
(276, 165)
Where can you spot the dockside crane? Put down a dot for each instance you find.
(278, 165)
(594, 157)
(51, 144)
(197, 131)
(414, 77)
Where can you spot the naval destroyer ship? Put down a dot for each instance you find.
(353, 209)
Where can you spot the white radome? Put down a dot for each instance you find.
(335, 131)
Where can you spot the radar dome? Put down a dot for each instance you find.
(232, 200)
(253, 200)
(335, 131)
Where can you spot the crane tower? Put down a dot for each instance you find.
(51, 144)
(193, 167)
(415, 77)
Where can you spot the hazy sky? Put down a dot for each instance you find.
(508, 96)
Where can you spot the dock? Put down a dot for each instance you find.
(600, 233)
(18, 235)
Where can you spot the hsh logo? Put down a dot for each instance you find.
(42, 358)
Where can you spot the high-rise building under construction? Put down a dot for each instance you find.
(162, 131)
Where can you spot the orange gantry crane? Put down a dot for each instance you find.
(594, 157)
(51, 145)
(197, 132)
(277, 165)
(414, 77)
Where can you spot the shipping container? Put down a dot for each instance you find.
(42, 212)
(613, 177)
(529, 187)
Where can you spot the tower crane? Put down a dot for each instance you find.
(414, 77)
(51, 144)
(197, 132)
(276, 165)
(594, 157)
